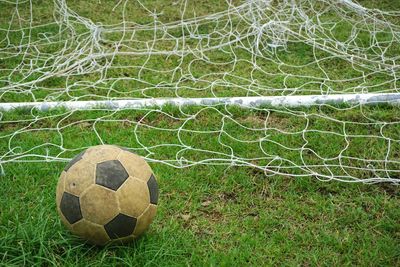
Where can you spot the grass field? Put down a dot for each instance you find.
(212, 216)
(208, 215)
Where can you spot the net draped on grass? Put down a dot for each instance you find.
(74, 51)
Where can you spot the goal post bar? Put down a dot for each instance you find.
(250, 101)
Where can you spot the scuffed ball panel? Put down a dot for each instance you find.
(59, 194)
(93, 232)
(120, 226)
(70, 207)
(133, 197)
(60, 187)
(101, 153)
(153, 189)
(79, 177)
(74, 160)
(110, 174)
(99, 204)
(135, 165)
(125, 149)
(144, 221)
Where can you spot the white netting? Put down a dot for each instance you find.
(80, 51)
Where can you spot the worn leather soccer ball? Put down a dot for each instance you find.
(107, 193)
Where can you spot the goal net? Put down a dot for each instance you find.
(299, 88)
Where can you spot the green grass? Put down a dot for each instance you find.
(208, 215)
(212, 216)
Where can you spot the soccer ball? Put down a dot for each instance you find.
(107, 193)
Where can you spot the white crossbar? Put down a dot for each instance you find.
(253, 101)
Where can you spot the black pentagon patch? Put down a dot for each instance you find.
(74, 160)
(111, 174)
(122, 225)
(153, 189)
(70, 208)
